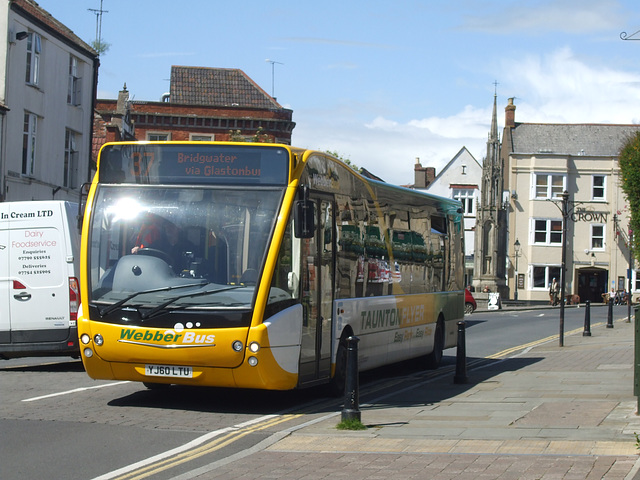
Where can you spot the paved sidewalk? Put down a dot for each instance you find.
(549, 412)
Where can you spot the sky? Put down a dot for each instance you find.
(383, 83)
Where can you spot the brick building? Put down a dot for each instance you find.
(203, 104)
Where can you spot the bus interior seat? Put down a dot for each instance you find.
(249, 277)
(217, 257)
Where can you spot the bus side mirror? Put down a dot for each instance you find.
(84, 192)
(303, 222)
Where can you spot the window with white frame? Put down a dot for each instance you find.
(201, 138)
(548, 185)
(547, 232)
(73, 89)
(29, 144)
(70, 160)
(158, 137)
(466, 196)
(34, 47)
(597, 237)
(598, 187)
(543, 275)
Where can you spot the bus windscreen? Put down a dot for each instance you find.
(193, 164)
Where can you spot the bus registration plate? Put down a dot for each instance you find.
(168, 371)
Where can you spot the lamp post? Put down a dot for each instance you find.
(630, 275)
(565, 215)
(516, 252)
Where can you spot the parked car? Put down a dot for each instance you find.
(469, 302)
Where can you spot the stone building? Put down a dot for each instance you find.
(544, 161)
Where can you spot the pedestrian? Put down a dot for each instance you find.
(554, 289)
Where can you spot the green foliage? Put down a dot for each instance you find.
(629, 161)
(259, 137)
(351, 424)
(236, 136)
(100, 46)
(343, 159)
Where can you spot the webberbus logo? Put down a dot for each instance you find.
(166, 337)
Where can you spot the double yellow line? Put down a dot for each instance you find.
(205, 449)
(508, 351)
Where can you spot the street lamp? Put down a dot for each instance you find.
(516, 252)
(565, 216)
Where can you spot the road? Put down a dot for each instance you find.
(58, 423)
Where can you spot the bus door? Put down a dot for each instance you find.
(318, 259)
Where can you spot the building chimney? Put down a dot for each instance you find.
(420, 177)
(510, 114)
(123, 99)
(430, 174)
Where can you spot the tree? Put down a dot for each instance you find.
(100, 46)
(629, 161)
(259, 137)
(343, 159)
(236, 136)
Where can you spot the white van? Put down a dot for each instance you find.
(39, 261)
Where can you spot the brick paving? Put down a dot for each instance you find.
(549, 413)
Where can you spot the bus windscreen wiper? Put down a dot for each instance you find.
(160, 307)
(111, 308)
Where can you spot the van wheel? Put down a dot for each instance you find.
(435, 357)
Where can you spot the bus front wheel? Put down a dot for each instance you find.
(435, 357)
(156, 386)
(337, 384)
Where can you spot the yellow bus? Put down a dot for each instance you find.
(248, 265)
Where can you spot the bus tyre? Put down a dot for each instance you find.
(156, 386)
(435, 357)
(337, 384)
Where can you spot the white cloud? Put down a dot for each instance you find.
(537, 18)
(558, 87)
(562, 88)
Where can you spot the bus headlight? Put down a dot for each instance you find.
(88, 352)
(253, 361)
(85, 339)
(254, 347)
(237, 346)
(98, 339)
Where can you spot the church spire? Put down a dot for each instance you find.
(491, 219)
(493, 136)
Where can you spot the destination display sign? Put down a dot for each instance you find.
(143, 163)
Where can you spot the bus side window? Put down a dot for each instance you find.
(286, 275)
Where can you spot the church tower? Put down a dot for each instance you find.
(490, 251)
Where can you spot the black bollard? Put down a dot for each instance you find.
(351, 410)
(461, 356)
(610, 314)
(587, 320)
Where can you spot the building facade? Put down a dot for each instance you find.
(203, 104)
(544, 161)
(459, 179)
(46, 105)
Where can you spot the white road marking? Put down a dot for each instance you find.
(75, 390)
